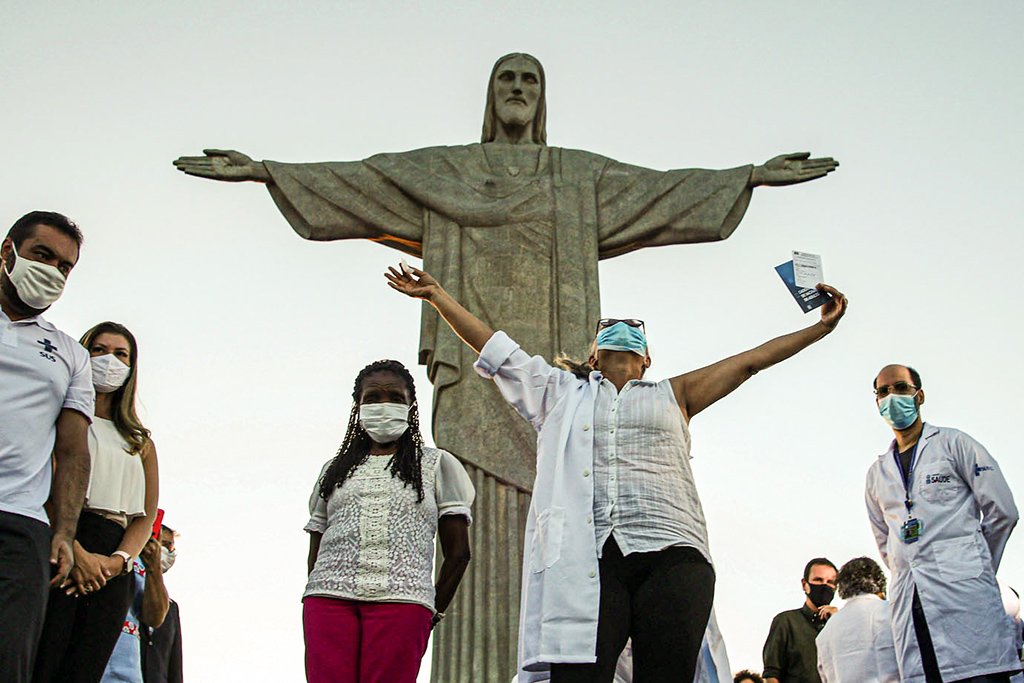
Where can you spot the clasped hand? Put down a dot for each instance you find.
(90, 573)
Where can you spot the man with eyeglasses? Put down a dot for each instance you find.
(941, 513)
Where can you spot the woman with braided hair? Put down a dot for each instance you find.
(370, 604)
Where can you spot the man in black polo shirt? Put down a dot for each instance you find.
(790, 655)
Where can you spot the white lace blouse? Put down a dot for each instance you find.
(378, 540)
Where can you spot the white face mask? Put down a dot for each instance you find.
(167, 558)
(109, 373)
(384, 422)
(38, 284)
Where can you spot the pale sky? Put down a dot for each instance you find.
(250, 337)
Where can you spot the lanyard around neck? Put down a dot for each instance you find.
(908, 478)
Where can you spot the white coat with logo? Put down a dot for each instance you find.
(967, 513)
(560, 589)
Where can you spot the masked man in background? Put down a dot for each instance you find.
(790, 654)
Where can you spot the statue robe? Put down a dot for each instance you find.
(514, 232)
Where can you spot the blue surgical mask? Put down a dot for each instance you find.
(622, 337)
(899, 410)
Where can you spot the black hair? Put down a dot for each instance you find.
(747, 675)
(581, 369)
(915, 377)
(858, 576)
(355, 449)
(816, 561)
(25, 227)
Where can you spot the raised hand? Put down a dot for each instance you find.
(150, 555)
(420, 285)
(835, 309)
(223, 164)
(412, 282)
(789, 169)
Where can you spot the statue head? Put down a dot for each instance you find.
(516, 97)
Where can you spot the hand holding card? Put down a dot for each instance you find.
(807, 297)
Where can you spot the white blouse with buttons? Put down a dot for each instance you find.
(378, 540)
(644, 492)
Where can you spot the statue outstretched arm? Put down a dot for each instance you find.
(224, 164)
(789, 169)
(697, 390)
(418, 284)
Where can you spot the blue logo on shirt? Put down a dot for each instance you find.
(48, 349)
(978, 469)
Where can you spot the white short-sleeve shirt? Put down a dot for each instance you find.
(378, 539)
(42, 371)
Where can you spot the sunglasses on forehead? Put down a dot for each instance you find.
(608, 322)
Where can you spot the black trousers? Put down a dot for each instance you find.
(24, 578)
(927, 648)
(662, 600)
(80, 633)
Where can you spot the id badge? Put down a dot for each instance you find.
(911, 530)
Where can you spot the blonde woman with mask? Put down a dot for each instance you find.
(85, 614)
(616, 543)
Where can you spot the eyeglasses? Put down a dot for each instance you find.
(900, 388)
(608, 322)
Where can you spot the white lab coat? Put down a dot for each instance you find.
(560, 589)
(967, 512)
(856, 644)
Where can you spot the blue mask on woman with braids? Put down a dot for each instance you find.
(382, 390)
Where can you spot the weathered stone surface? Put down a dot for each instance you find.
(508, 210)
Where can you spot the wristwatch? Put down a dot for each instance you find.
(127, 560)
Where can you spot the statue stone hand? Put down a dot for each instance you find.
(223, 164)
(789, 169)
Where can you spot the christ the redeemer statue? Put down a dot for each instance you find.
(508, 210)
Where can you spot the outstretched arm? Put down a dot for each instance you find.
(420, 285)
(697, 390)
(789, 169)
(224, 164)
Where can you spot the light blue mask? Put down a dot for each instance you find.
(899, 410)
(622, 337)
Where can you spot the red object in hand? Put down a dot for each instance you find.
(158, 524)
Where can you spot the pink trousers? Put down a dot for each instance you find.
(348, 641)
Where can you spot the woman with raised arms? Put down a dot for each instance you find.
(616, 543)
